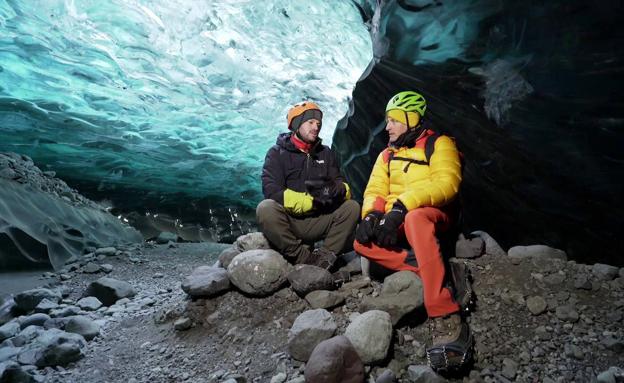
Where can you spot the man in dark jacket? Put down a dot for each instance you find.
(307, 199)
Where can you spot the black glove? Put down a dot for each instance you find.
(325, 192)
(365, 231)
(387, 231)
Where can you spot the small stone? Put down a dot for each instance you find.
(91, 268)
(536, 305)
(108, 251)
(107, 268)
(182, 324)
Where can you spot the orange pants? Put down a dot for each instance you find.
(420, 229)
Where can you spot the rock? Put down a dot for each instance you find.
(402, 292)
(9, 330)
(613, 344)
(34, 320)
(537, 251)
(109, 290)
(309, 329)
(26, 335)
(258, 272)
(307, 278)
(89, 303)
(279, 378)
(370, 333)
(510, 369)
(7, 353)
(610, 375)
(45, 306)
(567, 313)
(423, 374)
(83, 326)
(63, 312)
(536, 305)
(251, 241)
(491, 246)
(107, 251)
(165, 237)
(581, 281)
(206, 281)
(386, 377)
(28, 300)
(11, 372)
(53, 348)
(183, 324)
(226, 256)
(572, 350)
(323, 299)
(106, 267)
(605, 272)
(334, 361)
(469, 248)
(91, 268)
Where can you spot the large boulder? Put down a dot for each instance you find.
(537, 251)
(109, 290)
(29, 299)
(258, 272)
(402, 292)
(334, 361)
(370, 333)
(307, 278)
(53, 348)
(309, 329)
(206, 281)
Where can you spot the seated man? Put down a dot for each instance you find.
(409, 197)
(306, 197)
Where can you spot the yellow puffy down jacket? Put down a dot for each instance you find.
(415, 185)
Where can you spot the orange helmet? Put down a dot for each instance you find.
(302, 112)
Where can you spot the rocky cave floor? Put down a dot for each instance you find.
(576, 336)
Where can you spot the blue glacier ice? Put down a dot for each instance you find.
(170, 98)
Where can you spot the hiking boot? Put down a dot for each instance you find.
(461, 286)
(322, 258)
(451, 347)
(341, 277)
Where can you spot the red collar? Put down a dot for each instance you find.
(300, 144)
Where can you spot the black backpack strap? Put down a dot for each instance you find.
(430, 145)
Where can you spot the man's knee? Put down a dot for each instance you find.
(267, 210)
(417, 217)
(351, 209)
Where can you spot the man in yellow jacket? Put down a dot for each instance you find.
(409, 197)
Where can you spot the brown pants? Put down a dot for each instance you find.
(291, 236)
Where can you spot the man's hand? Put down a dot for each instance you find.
(387, 231)
(325, 192)
(365, 231)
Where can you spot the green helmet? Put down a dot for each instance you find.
(408, 101)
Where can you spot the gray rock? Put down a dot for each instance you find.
(89, 303)
(567, 313)
(258, 272)
(84, 326)
(386, 377)
(555, 279)
(491, 246)
(28, 300)
(334, 360)
(7, 353)
(581, 281)
(537, 251)
(26, 335)
(307, 278)
(109, 290)
(66, 311)
(106, 267)
(252, 241)
(53, 348)
(536, 305)
(9, 330)
(510, 369)
(323, 299)
(107, 251)
(165, 236)
(45, 306)
(610, 375)
(469, 248)
(206, 281)
(605, 272)
(423, 374)
(226, 256)
(572, 350)
(34, 320)
(309, 329)
(402, 292)
(11, 372)
(370, 333)
(183, 324)
(279, 378)
(91, 268)
(613, 344)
